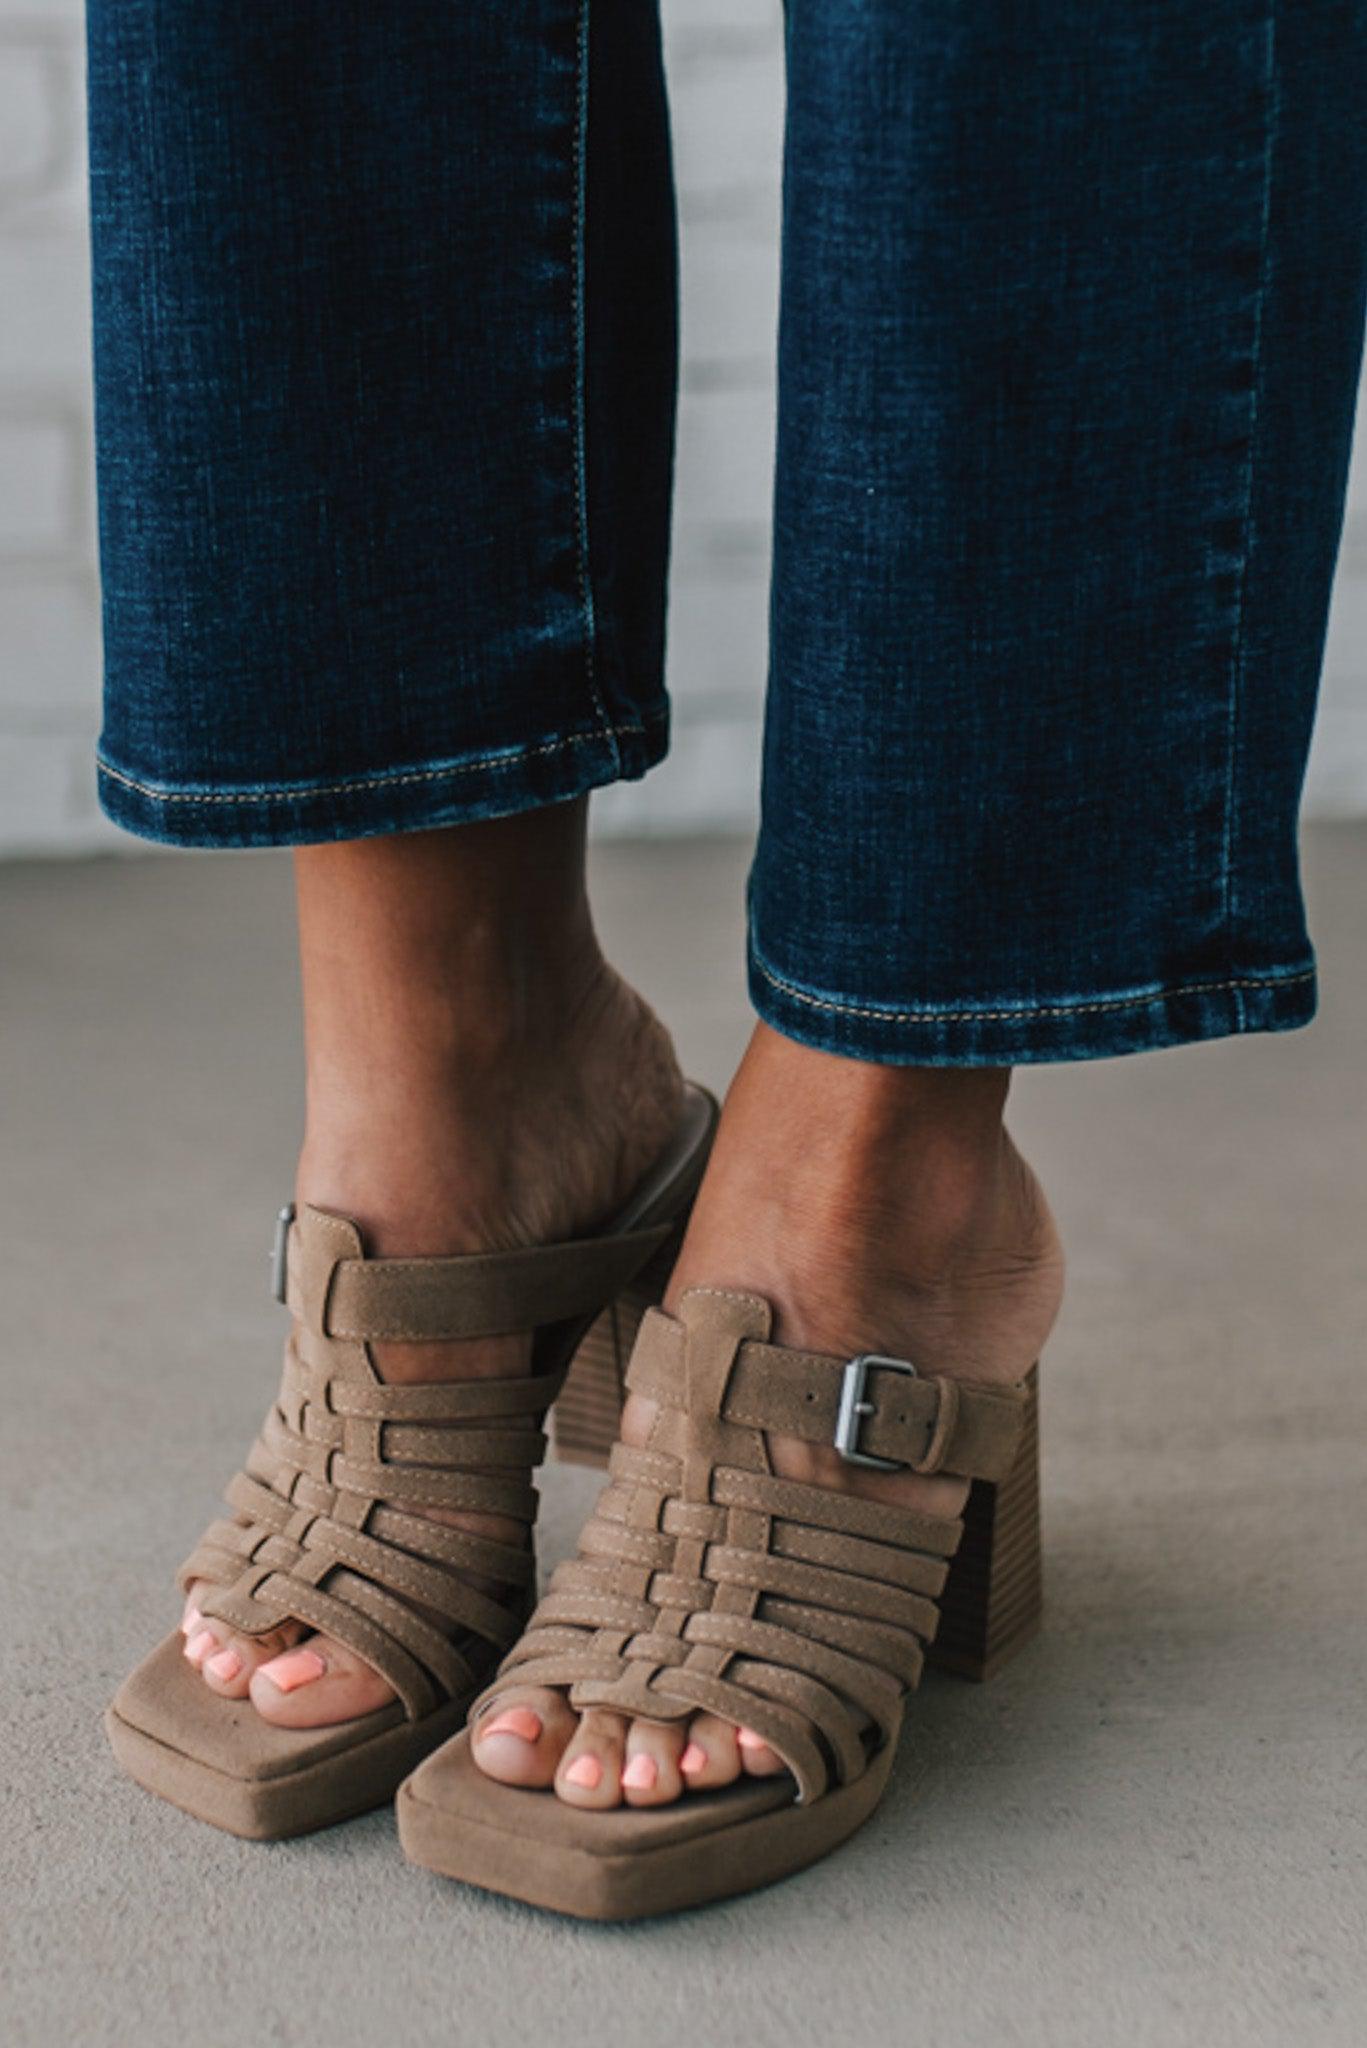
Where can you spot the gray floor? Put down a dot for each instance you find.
(1152, 1830)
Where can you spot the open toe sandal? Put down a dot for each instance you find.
(703, 1583)
(323, 1529)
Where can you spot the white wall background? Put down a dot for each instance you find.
(726, 75)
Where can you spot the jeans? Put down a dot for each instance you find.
(1072, 316)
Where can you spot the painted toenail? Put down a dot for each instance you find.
(519, 1721)
(198, 1647)
(749, 1740)
(295, 1668)
(193, 1620)
(585, 1771)
(693, 1760)
(225, 1665)
(640, 1774)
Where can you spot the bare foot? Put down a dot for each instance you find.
(876, 1208)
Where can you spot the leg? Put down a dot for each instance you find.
(385, 339)
(477, 1079)
(1059, 495)
(1056, 515)
(384, 360)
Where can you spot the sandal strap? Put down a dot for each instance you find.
(478, 1294)
(326, 1529)
(928, 1423)
(704, 1582)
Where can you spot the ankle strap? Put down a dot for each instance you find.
(874, 1410)
(479, 1294)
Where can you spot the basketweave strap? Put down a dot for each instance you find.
(704, 1582)
(332, 1513)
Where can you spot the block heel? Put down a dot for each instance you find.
(993, 1597)
(585, 1418)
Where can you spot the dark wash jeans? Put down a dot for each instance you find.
(1072, 318)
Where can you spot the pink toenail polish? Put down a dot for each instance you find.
(225, 1665)
(198, 1647)
(585, 1771)
(749, 1740)
(694, 1759)
(193, 1620)
(640, 1773)
(295, 1668)
(519, 1721)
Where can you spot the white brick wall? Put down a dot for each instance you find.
(1337, 783)
(726, 78)
(49, 611)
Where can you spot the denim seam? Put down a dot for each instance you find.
(579, 316)
(1239, 652)
(281, 793)
(1191, 988)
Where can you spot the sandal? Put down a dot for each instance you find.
(323, 1532)
(705, 1583)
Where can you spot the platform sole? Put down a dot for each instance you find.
(594, 1881)
(335, 1788)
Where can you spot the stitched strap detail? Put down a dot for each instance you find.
(323, 1528)
(703, 1581)
(930, 1424)
(480, 1295)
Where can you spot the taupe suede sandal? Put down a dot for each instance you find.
(703, 1582)
(323, 1532)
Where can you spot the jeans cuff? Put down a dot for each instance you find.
(1006, 1033)
(412, 798)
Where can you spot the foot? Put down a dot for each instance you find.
(513, 1094)
(877, 1209)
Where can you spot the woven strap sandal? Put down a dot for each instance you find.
(704, 1583)
(323, 1530)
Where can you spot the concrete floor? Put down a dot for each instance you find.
(1151, 1830)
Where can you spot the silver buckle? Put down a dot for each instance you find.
(853, 1408)
(280, 1252)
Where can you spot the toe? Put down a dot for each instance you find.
(226, 1671)
(711, 1756)
(200, 1643)
(756, 1757)
(315, 1685)
(650, 1770)
(229, 1662)
(224, 1659)
(523, 1735)
(590, 1773)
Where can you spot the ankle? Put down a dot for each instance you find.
(448, 957)
(861, 1155)
(477, 1075)
(875, 1206)
(516, 1138)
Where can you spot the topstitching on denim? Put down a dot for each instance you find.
(1138, 999)
(578, 274)
(1239, 652)
(291, 792)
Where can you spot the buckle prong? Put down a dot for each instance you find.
(854, 1407)
(280, 1252)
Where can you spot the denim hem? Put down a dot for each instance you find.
(991, 1034)
(412, 798)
